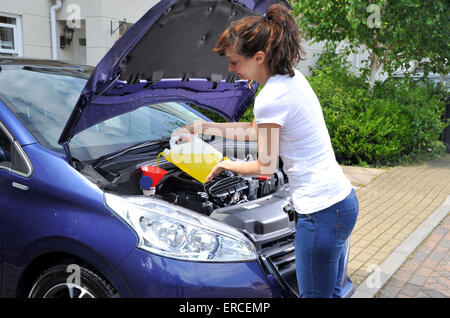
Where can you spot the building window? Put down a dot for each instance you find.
(10, 35)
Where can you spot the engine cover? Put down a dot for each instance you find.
(264, 220)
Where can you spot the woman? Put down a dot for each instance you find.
(289, 123)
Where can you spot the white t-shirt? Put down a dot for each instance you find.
(316, 181)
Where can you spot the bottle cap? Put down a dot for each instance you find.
(145, 182)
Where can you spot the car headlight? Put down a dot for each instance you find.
(176, 232)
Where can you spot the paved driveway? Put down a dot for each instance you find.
(393, 203)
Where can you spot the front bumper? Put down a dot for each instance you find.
(272, 276)
(149, 275)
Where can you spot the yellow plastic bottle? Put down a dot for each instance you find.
(196, 157)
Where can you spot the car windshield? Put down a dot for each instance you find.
(43, 99)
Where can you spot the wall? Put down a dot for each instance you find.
(36, 41)
(94, 25)
(74, 52)
(97, 16)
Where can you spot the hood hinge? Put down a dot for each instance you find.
(68, 154)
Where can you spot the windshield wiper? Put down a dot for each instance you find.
(145, 144)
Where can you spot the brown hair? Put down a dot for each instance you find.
(275, 33)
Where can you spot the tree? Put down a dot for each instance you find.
(394, 32)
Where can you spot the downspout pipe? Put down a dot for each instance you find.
(53, 10)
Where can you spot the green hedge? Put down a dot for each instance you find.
(399, 122)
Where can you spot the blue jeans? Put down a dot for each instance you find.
(319, 248)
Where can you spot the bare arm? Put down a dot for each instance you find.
(268, 151)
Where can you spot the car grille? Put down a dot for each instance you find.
(279, 260)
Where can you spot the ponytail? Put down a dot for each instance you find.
(275, 33)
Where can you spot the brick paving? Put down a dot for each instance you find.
(392, 206)
(426, 274)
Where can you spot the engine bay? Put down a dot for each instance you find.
(258, 206)
(177, 187)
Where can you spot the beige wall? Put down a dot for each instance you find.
(36, 41)
(94, 25)
(97, 16)
(75, 52)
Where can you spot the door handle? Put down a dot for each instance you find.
(20, 186)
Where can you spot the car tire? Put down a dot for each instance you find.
(71, 281)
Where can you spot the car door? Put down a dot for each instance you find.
(5, 164)
(13, 163)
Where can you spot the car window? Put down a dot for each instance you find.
(5, 150)
(12, 157)
(43, 100)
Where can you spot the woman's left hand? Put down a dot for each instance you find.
(220, 167)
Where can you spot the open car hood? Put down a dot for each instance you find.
(167, 56)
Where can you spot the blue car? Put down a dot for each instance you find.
(74, 221)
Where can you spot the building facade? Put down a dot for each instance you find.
(26, 27)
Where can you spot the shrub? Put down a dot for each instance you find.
(400, 121)
(210, 114)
